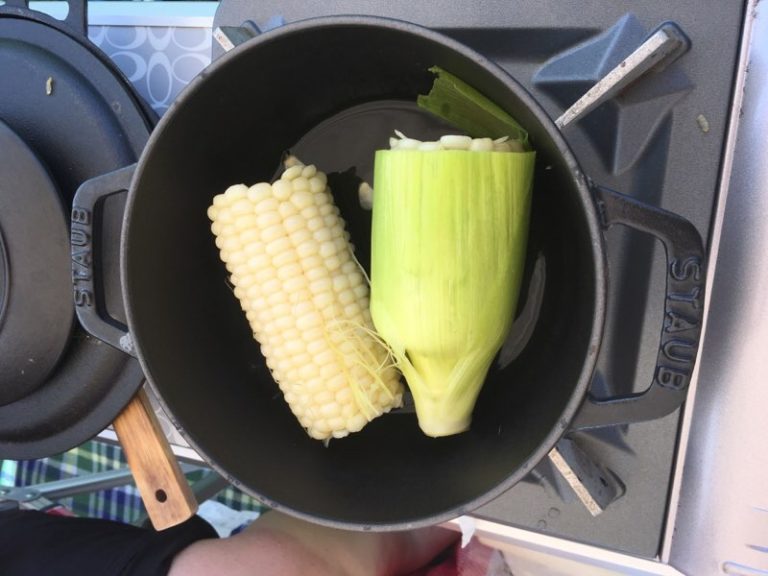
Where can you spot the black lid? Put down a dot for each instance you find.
(35, 322)
(68, 115)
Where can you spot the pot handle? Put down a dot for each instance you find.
(89, 302)
(683, 314)
(163, 488)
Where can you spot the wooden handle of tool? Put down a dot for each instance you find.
(164, 489)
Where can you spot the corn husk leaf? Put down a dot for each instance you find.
(457, 102)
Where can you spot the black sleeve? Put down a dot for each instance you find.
(33, 543)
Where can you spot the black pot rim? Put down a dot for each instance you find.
(586, 199)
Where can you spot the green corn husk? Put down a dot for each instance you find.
(448, 248)
(457, 102)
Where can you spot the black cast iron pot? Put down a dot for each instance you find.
(300, 84)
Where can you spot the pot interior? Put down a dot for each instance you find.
(294, 89)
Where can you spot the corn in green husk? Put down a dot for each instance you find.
(448, 249)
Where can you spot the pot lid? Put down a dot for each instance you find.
(67, 115)
(35, 322)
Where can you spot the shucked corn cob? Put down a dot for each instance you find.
(306, 299)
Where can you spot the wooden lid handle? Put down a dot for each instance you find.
(165, 491)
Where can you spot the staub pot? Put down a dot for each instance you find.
(283, 90)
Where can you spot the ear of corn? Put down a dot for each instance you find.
(306, 299)
(448, 247)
